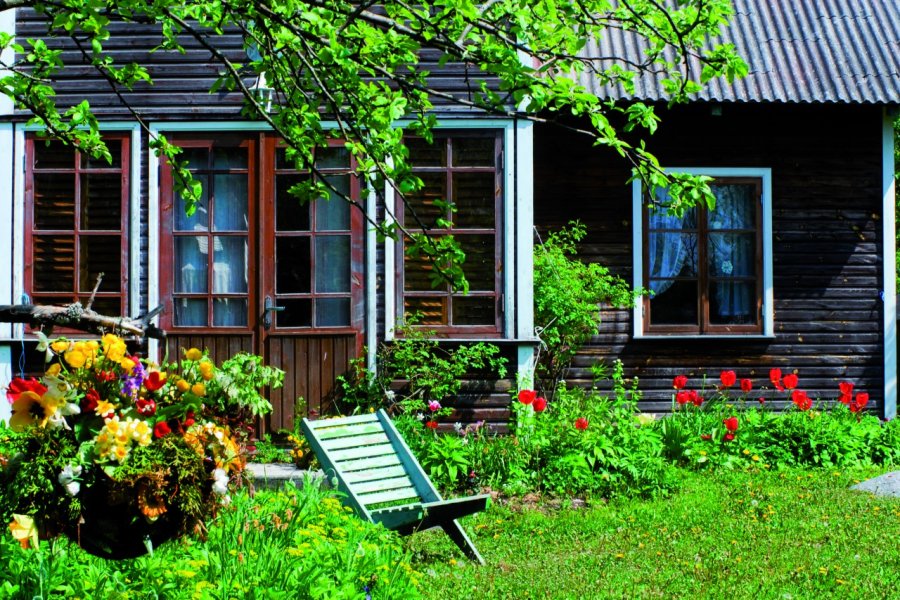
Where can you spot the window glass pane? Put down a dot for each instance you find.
(197, 158)
(191, 264)
(417, 273)
(190, 312)
(473, 195)
(675, 303)
(333, 263)
(290, 213)
(199, 221)
(101, 254)
(229, 312)
(53, 263)
(230, 203)
(296, 313)
(332, 312)
(333, 214)
(735, 207)
(54, 155)
(473, 311)
(479, 265)
(421, 203)
(101, 201)
(229, 158)
(432, 310)
(421, 154)
(292, 265)
(732, 254)
(105, 306)
(473, 152)
(659, 219)
(672, 254)
(732, 303)
(54, 201)
(230, 264)
(115, 150)
(335, 157)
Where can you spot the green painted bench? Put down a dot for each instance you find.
(383, 482)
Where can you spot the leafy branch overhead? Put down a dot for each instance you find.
(355, 71)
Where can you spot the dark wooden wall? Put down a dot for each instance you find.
(826, 187)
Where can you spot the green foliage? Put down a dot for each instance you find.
(359, 67)
(238, 382)
(567, 295)
(299, 543)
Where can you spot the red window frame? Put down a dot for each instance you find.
(446, 297)
(82, 283)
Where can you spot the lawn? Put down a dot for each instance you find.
(741, 534)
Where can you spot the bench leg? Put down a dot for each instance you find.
(459, 537)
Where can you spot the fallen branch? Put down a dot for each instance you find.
(74, 316)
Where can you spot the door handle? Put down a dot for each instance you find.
(268, 308)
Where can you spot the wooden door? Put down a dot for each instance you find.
(256, 270)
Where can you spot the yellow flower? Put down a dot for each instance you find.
(756, 457)
(75, 358)
(113, 347)
(120, 453)
(24, 531)
(60, 346)
(198, 389)
(104, 407)
(29, 409)
(182, 385)
(127, 364)
(746, 451)
(193, 354)
(54, 369)
(206, 370)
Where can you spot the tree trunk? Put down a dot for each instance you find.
(75, 317)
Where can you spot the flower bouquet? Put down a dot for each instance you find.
(119, 454)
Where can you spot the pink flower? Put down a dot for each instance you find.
(727, 378)
(527, 396)
(679, 382)
(581, 423)
(540, 403)
(434, 405)
(746, 385)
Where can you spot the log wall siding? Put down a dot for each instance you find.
(182, 81)
(827, 245)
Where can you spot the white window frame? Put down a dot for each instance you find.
(768, 296)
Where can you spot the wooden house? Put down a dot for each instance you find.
(794, 269)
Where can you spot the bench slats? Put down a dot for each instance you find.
(381, 485)
(326, 423)
(351, 453)
(355, 441)
(374, 474)
(406, 493)
(349, 430)
(388, 460)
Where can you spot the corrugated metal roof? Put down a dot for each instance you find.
(842, 51)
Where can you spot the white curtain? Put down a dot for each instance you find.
(667, 249)
(733, 254)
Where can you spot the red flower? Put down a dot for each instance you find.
(679, 382)
(862, 398)
(846, 392)
(431, 424)
(728, 437)
(695, 398)
(19, 385)
(683, 397)
(189, 418)
(775, 378)
(146, 408)
(790, 381)
(91, 399)
(581, 423)
(706, 437)
(727, 378)
(107, 376)
(527, 396)
(746, 385)
(540, 403)
(161, 429)
(802, 401)
(154, 381)
(731, 424)
(762, 400)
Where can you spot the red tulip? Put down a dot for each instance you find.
(683, 397)
(146, 408)
(728, 437)
(746, 385)
(775, 378)
(790, 381)
(727, 378)
(189, 418)
(540, 403)
(679, 382)
(527, 396)
(581, 423)
(731, 424)
(802, 401)
(90, 401)
(161, 429)
(154, 381)
(695, 398)
(431, 424)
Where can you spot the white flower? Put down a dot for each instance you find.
(67, 479)
(220, 482)
(389, 395)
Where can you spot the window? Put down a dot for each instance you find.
(75, 222)
(463, 168)
(709, 271)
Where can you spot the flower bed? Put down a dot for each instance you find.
(119, 454)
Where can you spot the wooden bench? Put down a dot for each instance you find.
(381, 479)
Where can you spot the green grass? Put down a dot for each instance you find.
(731, 534)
